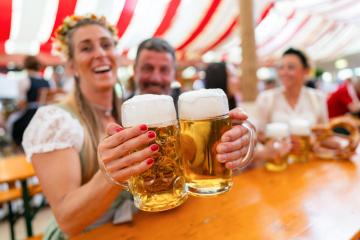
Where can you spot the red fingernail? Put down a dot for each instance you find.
(154, 147)
(149, 161)
(143, 127)
(118, 129)
(151, 134)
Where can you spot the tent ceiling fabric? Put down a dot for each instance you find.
(325, 28)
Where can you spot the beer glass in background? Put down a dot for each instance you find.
(162, 186)
(278, 144)
(203, 117)
(300, 132)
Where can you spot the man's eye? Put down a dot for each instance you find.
(85, 49)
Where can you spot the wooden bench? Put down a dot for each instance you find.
(38, 237)
(14, 193)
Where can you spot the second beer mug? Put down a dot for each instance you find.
(300, 137)
(162, 186)
(203, 116)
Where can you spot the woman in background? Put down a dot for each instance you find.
(292, 99)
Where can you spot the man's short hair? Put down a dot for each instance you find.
(32, 63)
(155, 44)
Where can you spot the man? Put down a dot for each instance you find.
(345, 99)
(154, 71)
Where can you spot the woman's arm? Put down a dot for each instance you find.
(75, 206)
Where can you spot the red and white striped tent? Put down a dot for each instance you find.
(326, 29)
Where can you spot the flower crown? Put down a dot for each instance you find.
(61, 46)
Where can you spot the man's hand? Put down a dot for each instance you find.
(235, 142)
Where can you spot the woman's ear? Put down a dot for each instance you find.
(72, 67)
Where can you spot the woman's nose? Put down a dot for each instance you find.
(99, 51)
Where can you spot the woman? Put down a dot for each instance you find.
(292, 99)
(63, 140)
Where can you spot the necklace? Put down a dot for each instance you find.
(106, 111)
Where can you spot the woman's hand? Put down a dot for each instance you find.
(126, 152)
(234, 142)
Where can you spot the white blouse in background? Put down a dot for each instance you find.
(271, 106)
(52, 128)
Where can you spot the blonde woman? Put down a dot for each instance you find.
(63, 140)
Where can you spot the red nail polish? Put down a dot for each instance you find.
(143, 127)
(119, 129)
(154, 147)
(151, 134)
(149, 161)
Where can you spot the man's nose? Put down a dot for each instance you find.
(156, 75)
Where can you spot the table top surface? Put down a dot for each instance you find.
(15, 168)
(314, 200)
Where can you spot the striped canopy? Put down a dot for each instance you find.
(326, 29)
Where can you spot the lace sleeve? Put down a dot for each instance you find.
(52, 128)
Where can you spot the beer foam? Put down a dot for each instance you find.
(151, 109)
(300, 127)
(203, 104)
(277, 130)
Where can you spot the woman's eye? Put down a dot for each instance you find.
(106, 45)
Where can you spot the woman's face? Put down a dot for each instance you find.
(94, 58)
(291, 71)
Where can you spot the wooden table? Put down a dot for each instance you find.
(316, 200)
(16, 168)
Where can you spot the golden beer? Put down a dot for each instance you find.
(162, 186)
(301, 154)
(278, 142)
(203, 173)
(203, 119)
(300, 137)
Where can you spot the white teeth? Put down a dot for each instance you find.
(102, 69)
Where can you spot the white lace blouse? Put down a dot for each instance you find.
(52, 128)
(272, 106)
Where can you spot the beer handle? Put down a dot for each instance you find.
(110, 179)
(252, 143)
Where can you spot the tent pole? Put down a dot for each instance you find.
(248, 81)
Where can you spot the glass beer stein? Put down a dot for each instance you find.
(278, 144)
(300, 132)
(162, 186)
(203, 117)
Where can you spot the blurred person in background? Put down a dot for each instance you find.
(223, 76)
(270, 83)
(345, 99)
(31, 97)
(292, 99)
(30, 87)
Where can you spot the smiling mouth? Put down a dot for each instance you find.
(102, 69)
(151, 85)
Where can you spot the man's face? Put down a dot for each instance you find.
(154, 71)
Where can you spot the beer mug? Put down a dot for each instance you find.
(203, 117)
(162, 186)
(279, 145)
(300, 132)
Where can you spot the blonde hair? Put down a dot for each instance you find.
(76, 102)
(62, 44)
